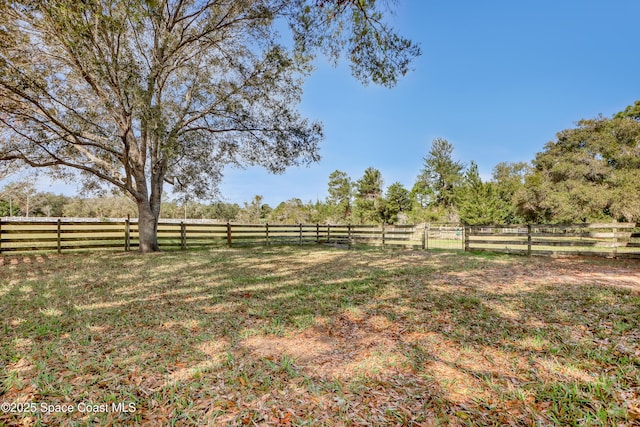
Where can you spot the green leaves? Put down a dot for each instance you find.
(368, 195)
(398, 200)
(479, 202)
(370, 185)
(130, 94)
(340, 195)
(632, 112)
(589, 173)
(377, 54)
(441, 174)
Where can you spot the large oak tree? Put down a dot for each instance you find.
(132, 94)
(590, 172)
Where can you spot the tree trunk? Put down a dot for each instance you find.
(147, 228)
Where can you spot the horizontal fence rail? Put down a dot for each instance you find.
(621, 240)
(58, 235)
(617, 240)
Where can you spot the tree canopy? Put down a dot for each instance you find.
(133, 94)
(479, 202)
(588, 173)
(398, 200)
(440, 174)
(632, 112)
(591, 172)
(368, 193)
(340, 194)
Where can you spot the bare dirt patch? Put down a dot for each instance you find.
(286, 336)
(336, 351)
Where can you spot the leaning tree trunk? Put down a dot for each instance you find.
(147, 228)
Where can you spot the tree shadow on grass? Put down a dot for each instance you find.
(559, 349)
(308, 335)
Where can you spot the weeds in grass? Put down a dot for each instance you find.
(323, 336)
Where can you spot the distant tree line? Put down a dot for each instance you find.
(588, 173)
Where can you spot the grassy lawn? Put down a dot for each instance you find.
(319, 336)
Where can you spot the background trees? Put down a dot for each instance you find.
(254, 212)
(435, 187)
(398, 202)
(480, 202)
(20, 199)
(368, 192)
(632, 112)
(591, 172)
(508, 179)
(441, 173)
(293, 211)
(340, 196)
(588, 173)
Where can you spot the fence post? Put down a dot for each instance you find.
(349, 235)
(424, 237)
(300, 241)
(58, 237)
(229, 234)
(383, 234)
(615, 242)
(127, 234)
(266, 233)
(427, 235)
(0, 235)
(528, 239)
(328, 233)
(466, 231)
(317, 233)
(183, 235)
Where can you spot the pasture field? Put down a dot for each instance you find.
(309, 335)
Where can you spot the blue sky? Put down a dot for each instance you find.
(497, 79)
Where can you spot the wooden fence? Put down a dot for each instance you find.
(618, 240)
(621, 240)
(61, 235)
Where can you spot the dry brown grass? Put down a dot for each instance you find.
(315, 336)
